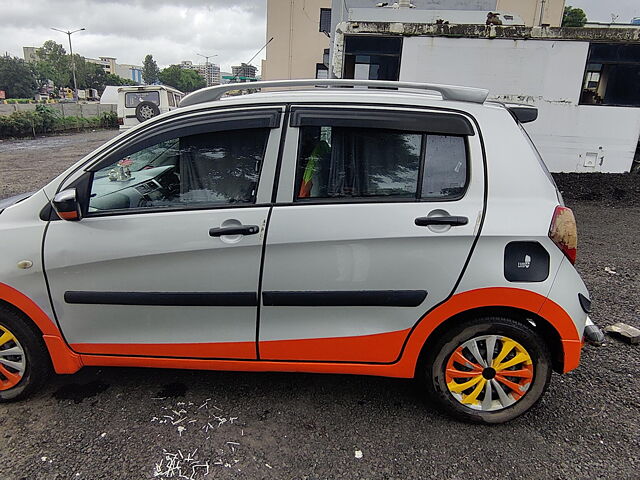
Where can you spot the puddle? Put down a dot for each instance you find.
(172, 390)
(78, 392)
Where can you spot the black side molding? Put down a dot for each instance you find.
(172, 299)
(368, 298)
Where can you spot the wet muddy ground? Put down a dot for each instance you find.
(111, 423)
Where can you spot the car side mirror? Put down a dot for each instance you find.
(67, 206)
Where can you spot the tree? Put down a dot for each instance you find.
(117, 80)
(190, 80)
(573, 17)
(17, 78)
(54, 64)
(88, 74)
(150, 70)
(183, 79)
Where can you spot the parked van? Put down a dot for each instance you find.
(137, 104)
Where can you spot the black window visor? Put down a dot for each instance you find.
(180, 127)
(429, 122)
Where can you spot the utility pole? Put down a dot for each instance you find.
(73, 62)
(206, 67)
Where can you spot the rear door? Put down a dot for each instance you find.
(167, 260)
(377, 211)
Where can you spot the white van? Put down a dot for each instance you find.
(137, 104)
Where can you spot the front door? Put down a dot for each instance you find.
(372, 229)
(166, 261)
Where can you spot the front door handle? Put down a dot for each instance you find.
(449, 220)
(234, 230)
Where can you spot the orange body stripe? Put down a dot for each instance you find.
(64, 360)
(67, 361)
(378, 348)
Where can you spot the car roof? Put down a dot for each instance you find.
(323, 96)
(447, 92)
(142, 88)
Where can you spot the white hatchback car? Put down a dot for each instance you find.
(336, 230)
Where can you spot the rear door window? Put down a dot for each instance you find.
(343, 162)
(132, 99)
(445, 167)
(338, 163)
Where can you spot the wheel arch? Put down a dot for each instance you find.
(552, 322)
(546, 331)
(63, 358)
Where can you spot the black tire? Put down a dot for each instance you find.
(146, 110)
(432, 369)
(38, 362)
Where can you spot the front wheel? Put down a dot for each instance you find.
(24, 361)
(488, 370)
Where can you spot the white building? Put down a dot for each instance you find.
(299, 30)
(585, 82)
(209, 71)
(130, 72)
(126, 71)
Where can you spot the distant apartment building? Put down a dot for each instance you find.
(109, 64)
(30, 54)
(244, 71)
(209, 71)
(126, 71)
(130, 72)
(300, 31)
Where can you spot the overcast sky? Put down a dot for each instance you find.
(174, 30)
(170, 30)
(601, 10)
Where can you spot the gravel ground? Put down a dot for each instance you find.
(28, 164)
(110, 423)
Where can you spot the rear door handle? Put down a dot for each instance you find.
(450, 220)
(234, 230)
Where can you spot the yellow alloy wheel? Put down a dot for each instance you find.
(489, 372)
(12, 360)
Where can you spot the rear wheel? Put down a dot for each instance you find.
(24, 361)
(489, 370)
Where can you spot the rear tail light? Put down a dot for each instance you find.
(564, 232)
(120, 121)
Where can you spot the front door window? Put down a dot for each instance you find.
(207, 169)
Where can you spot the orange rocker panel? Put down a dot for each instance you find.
(66, 360)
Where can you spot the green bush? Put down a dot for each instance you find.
(46, 120)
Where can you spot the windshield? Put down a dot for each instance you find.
(132, 99)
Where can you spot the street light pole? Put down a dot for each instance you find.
(73, 62)
(206, 66)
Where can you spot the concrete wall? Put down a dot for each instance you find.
(529, 10)
(297, 42)
(544, 73)
(85, 110)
